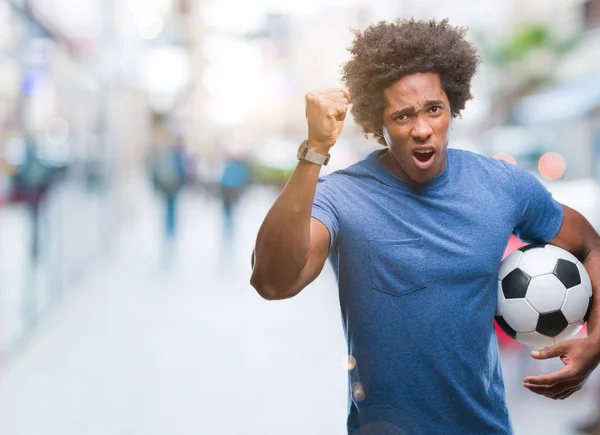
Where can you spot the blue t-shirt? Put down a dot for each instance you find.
(417, 269)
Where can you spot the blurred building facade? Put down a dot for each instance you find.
(69, 102)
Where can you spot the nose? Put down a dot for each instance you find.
(421, 130)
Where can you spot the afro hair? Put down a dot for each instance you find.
(386, 52)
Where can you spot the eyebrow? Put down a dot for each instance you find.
(411, 109)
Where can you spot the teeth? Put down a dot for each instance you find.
(424, 152)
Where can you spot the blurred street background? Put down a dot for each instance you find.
(142, 143)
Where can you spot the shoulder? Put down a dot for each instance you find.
(360, 169)
(343, 186)
(466, 156)
(495, 170)
(345, 175)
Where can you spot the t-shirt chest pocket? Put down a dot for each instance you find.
(398, 267)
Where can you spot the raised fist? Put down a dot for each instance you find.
(325, 112)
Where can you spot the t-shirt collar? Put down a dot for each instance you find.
(391, 179)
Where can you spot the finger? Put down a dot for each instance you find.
(330, 91)
(540, 393)
(339, 97)
(339, 94)
(340, 100)
(562, 375)
(346, 94)
(549, 391)
(339, 111)
(564, 394)
(570, 394)
(336, 93)
(550, 351)
(324, 99)
(324, 94)
(553, 390)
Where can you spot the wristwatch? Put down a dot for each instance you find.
(304, 153)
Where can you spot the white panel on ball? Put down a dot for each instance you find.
(519, 315)
(585, 278)
(534, 339)
(546, 293)
(576, 303)
(509, 264)
(561, 253)
(501, 299)
(537, 261)
(569, 332)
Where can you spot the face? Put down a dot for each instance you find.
(417, 118)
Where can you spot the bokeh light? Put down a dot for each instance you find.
(506, 157)
(349, 362)
(57, 130)
(552, 166)
(149, 21)
(358, 391)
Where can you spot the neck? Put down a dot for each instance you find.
(392, 164)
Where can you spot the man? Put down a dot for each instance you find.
(415, 234)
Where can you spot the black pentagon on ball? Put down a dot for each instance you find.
(551, 324)
(505, 327)
(567, 273)
(532, 246)
(514, 285)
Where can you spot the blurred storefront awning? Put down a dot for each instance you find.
(559, 103)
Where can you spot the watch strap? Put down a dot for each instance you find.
(317, 158)
(305, 153)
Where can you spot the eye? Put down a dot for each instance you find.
(402, 118)
(435, 109)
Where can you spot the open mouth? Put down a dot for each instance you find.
(423, 158)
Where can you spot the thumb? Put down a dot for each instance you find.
(338, 112)
(346, 93)
(549, 352)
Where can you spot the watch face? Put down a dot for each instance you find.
(302, 150)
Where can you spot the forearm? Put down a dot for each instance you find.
(579, 237)
(592, 265)
(283, 242)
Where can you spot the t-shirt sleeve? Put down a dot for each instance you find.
(324, 208)
(539, 216)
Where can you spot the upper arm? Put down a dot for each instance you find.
(319, 250)
(317, 256)
(576, 234)
(538, 216)
(324, 229)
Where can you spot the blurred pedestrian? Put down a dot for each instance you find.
(32, 180)
(168, 176)
(234, 181)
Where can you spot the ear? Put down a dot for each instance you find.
(386, 136)
(451, 124)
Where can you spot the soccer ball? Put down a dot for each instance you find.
(544, 295)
